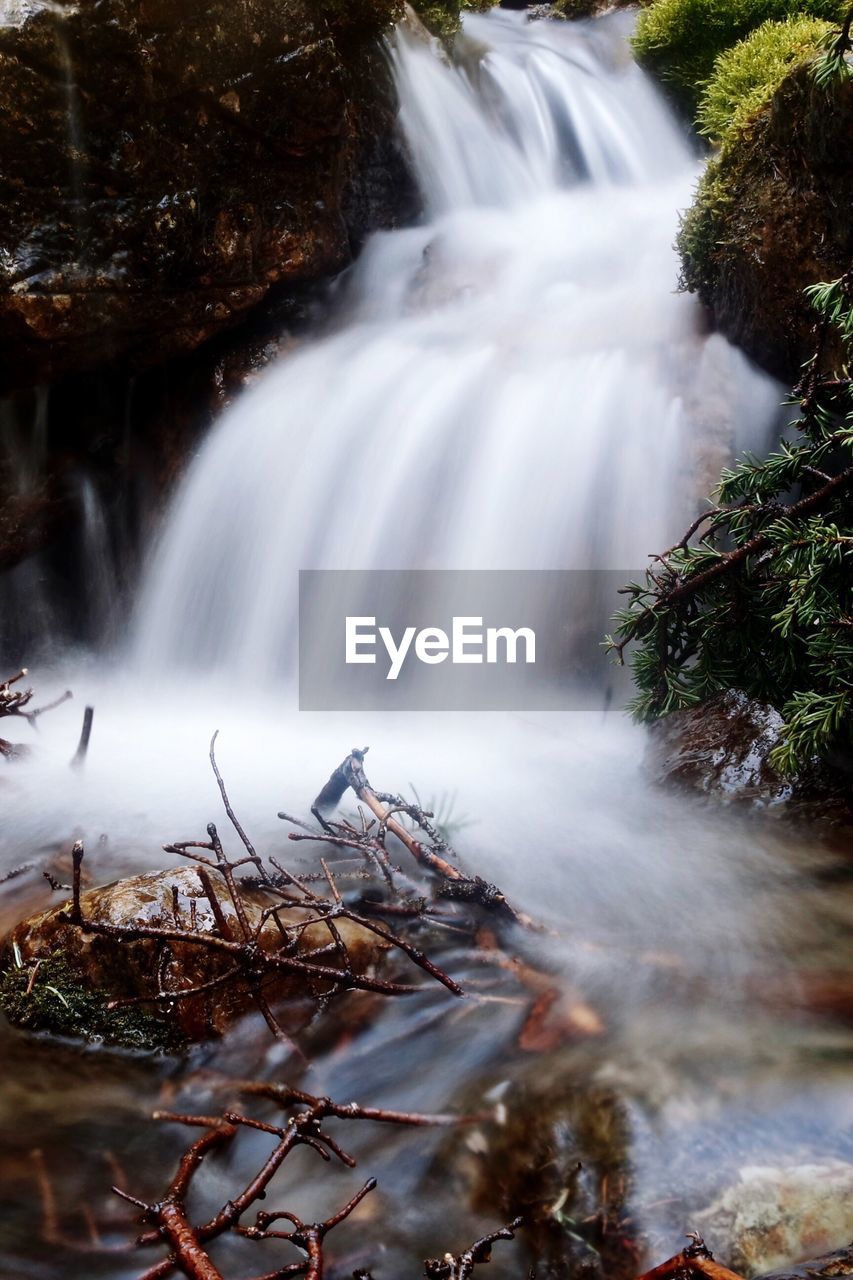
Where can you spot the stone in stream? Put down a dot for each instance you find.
(838, 1264)
(81, 972)
(773, 1216)
(722, 748)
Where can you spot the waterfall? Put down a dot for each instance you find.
(512, 384)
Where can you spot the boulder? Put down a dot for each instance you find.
(771, 217)
(165, 166)
(773, 1216)
(721, 748)
(113, 968)
(838, 1265)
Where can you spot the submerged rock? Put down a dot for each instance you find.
(558, 1154)
(165, 166)
(722, 748)
(774, 1216)
(115, 969)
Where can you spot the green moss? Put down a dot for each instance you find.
(360, 19)
(58, 1003)
(771, 216)
(575, 8)
(747, 75)
(699, 234)
(681, 39)
(746, 80)
(442, 17)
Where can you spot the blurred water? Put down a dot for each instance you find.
(513, 384)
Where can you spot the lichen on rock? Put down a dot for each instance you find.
(774, 1214)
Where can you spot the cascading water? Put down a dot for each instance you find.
(510, 385)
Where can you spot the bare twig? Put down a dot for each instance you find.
(461, 1266)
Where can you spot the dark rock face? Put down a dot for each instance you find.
(722, 748)
(166, 165)
(772, 216)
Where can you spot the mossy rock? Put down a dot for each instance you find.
(680, 40)
(746, 76)
(362, 18)
(443, 17)
(578, 9)
(771, 216)
(99, 968)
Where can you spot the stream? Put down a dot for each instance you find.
(513, 383)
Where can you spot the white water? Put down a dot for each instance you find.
(511, 385)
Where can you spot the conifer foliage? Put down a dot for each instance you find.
(758, 595)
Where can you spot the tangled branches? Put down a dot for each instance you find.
(231, 939)
(764, 601)
(253, 924)
(305, 1125)
(16, 703)
(370, 840)
(258, 950)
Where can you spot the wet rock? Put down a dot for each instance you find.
(115, 969)
(771, 218)
(722, 748)
(831, 1264)
(772, 1216)
(165, 167)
